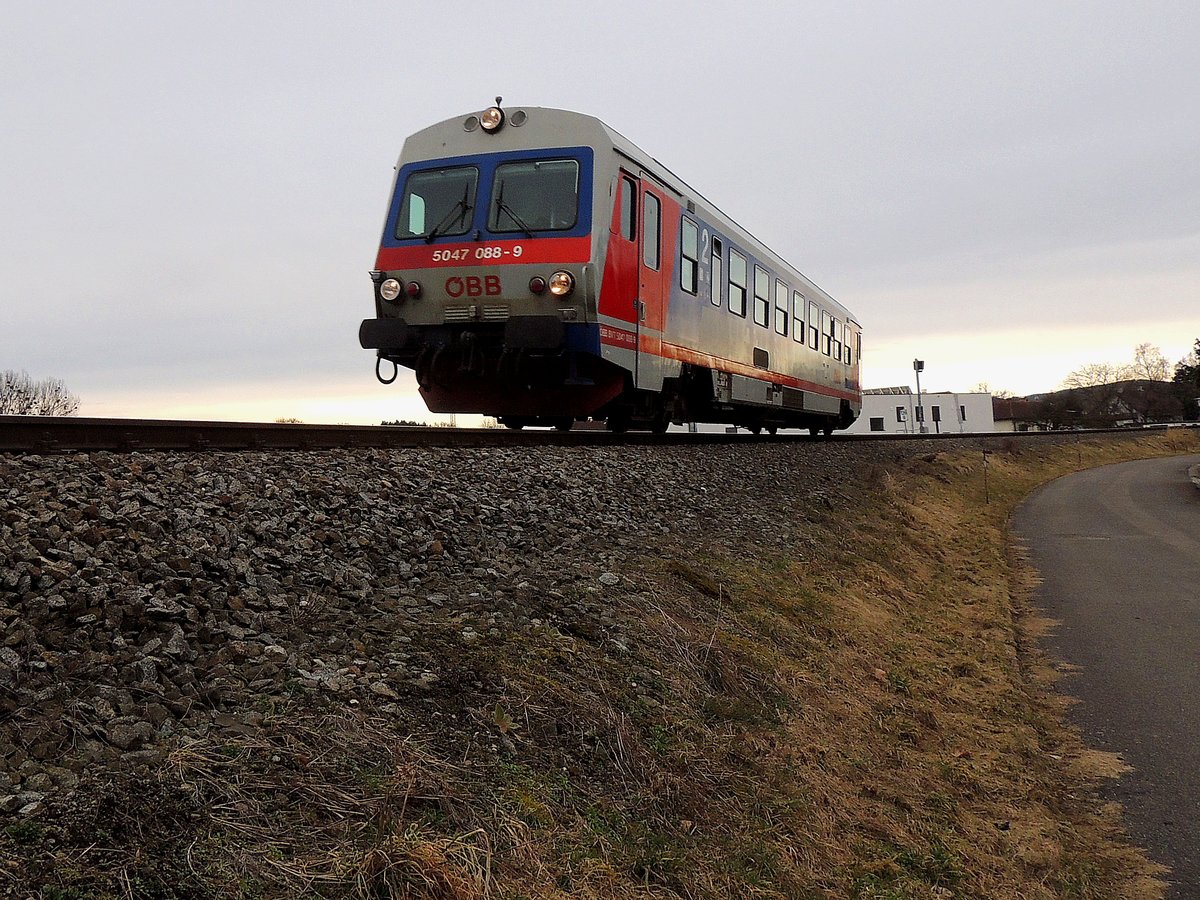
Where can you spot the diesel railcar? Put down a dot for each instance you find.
(538, 267)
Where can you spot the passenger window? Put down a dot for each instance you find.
(826, 333)
(628, 209)
(717, 278)
(762, 296)
(737, 283)
(650, 231)
(798, 317)
(781, 307)
(689, 249)
(836, 352)
(814, 321)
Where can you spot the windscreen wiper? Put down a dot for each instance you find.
(503, 207)
(462, 207)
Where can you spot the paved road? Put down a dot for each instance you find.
(1119, 551)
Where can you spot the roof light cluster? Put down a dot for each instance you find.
(494, 118)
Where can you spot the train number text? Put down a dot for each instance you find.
(489, 252)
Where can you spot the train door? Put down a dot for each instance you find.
(653, 288)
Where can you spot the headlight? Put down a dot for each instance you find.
(390, 289)
(561, 284)
(491, 118)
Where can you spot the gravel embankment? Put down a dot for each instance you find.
(153, 595)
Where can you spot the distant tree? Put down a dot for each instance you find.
(289, 420)
(1189, 364)
(1150, 364)
(1094, 374)
(1186, 382)
(20, 395)
(1151, 401)
(408, 422)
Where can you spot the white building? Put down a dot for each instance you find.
(894, 410)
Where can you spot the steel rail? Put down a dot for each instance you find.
(67, 434)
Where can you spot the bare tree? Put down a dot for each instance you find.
(984, 388)
(20, 395)
(1150, 364)
(1094, 374)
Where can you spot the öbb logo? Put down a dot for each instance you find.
(473, 286)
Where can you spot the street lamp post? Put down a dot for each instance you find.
(919, 367)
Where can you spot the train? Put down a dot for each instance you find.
(539, 268)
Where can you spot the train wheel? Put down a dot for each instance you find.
(515, 426)
(813, 430)
(564, 425)
(827, 430)
(772, 430)
(755, 429)
(617, 424)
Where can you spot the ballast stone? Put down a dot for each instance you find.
(178, 588)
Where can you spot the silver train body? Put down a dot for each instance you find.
(538, 267)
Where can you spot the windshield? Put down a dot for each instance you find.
(437, 202)
(538, 195)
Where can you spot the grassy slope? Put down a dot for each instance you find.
(861, 715)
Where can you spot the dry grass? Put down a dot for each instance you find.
(863, 716)
(327, 804)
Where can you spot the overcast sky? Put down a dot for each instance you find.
(191, 195)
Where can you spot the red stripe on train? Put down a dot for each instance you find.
(716, 363)
(617, 337)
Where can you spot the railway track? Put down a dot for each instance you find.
(43, 434)
(47, 434)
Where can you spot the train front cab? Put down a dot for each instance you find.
(485, 285)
